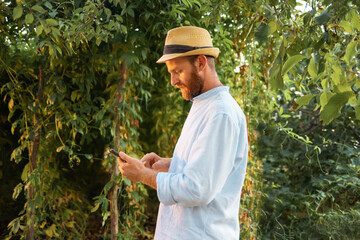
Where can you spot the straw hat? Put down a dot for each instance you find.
(187, 41)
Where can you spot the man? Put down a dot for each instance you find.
(199, 188)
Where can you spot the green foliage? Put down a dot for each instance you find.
(294, 73)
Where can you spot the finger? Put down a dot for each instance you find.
(121, 164)
(127, 158)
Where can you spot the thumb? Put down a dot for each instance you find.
(126, 158)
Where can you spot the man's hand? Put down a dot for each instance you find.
(131, 168)
(153, 161)
(136, 171)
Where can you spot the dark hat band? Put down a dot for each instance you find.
(175, 48)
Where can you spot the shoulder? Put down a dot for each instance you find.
(224, 104)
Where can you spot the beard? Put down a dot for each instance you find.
(193, 86)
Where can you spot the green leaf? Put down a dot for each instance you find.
(39, 30)
(347, 26)
(56, 33)
(48, 5)
(51, 22)
(17, 191)
(17, 12)
(357, 109)
(312, 69)
(324, 98)
(324, 17)
(304, 100)
(276, 80)
(29, 18)
(25, 172)
(38, 8)
(273, 26)
(291, 63)
(350, 52)
(262, 33)
(338, 74)
(355, 19)
(333, 107)
(108, 186)
(95, 208)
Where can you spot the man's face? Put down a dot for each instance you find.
(185, 76)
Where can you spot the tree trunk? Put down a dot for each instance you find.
(33, 157)
(113, 196)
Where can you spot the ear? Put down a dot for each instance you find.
(202, 62)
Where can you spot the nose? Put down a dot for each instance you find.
(174, 80)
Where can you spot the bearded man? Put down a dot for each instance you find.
(199, 188)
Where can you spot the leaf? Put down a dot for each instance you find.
(291, 63)
(56, 33)
(312, 70)
(108, 186)
(324, 17)
(25, 172)
(276, 80)
(355, 19)
(52, 22)
(17, 12)
(95, 208)
(304, 100)
(350, 52)
(273, 26)
(17, 191)
(347, 26)
(38, 8)
(324, 98)
(333, 107)
(337, 75)
(11, 104)
(49, 232)
(48, 5)
(39, 30)
(262, 33)
(29, 18)
(357, 109)
(59, 149)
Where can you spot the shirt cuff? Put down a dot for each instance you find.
(164, 188)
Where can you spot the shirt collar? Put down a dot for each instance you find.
(210, 93)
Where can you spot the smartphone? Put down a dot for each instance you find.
(116, 153)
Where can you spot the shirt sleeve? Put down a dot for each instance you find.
(211, 160)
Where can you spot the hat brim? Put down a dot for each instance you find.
(204, 51)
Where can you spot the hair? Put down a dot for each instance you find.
(210, 60)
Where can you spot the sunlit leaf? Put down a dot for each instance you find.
(312, 70)
(332, 109)
(17, 12)
(324, 98)
(350, 52)
(347, 26)
(304, 100)
(357, 109)
(29, 18)
(17, 191)
(276, 80)
(39, 30)
(290, 62)
(38, 8)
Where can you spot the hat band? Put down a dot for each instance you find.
(175, 48)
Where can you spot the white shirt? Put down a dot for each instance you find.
(200, 194)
